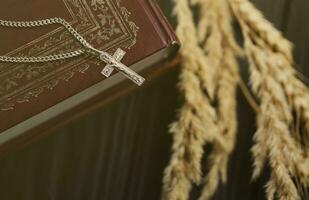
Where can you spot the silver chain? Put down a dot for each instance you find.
(88, 49)
(29, 24)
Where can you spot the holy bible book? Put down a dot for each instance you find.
(35, 93)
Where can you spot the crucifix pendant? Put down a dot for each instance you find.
(108, 69)
(113, 62)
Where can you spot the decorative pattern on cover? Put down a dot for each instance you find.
(37, 95)
(104, 23)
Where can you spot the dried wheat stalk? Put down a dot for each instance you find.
(212, 69)
(275, 83)
(280, 140)
(216, 36)
(189, 132)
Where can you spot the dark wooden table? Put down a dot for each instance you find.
(119, 151)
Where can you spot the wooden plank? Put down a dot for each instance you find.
(275, 10)
(298, 32)
(117, 153)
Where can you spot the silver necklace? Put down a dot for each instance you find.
(111, 61)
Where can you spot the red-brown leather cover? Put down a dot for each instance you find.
(137, 26)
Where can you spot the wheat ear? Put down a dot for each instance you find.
(217, 39)
(275, 83)
(196, 123)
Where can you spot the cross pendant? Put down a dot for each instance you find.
(113, 62)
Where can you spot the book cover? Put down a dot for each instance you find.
(32, 94)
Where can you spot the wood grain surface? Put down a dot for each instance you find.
(120, 151)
